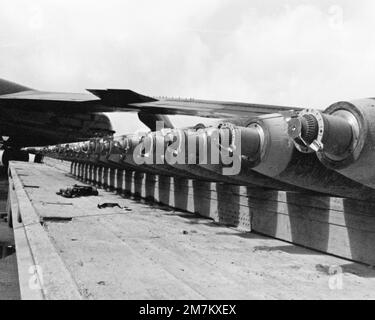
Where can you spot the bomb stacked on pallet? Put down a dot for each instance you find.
(328, 152)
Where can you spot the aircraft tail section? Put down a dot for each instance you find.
(8, 87)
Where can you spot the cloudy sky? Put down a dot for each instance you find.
(287, 52)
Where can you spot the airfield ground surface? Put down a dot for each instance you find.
(8, 263)
(146, 251)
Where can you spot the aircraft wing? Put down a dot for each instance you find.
(72, 102)
(97, 100)
(203, 108)
(34, 117)
(209, 109)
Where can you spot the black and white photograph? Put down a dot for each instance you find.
(188, 155)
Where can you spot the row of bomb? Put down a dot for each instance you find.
(327, 152)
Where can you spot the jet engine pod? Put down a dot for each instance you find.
(343, 136)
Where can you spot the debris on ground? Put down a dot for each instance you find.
(78, 191)
(112, 205)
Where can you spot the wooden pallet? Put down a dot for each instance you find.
(338, 226)
(71, 249)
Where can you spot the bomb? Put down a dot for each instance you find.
(277, 158)
(342, 136)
